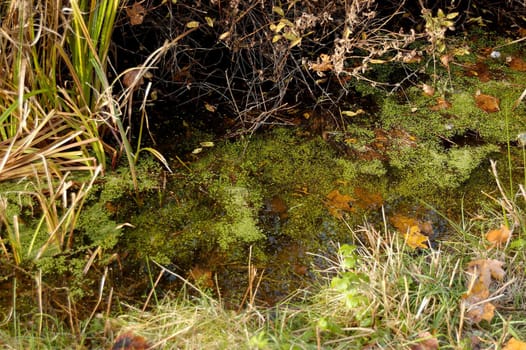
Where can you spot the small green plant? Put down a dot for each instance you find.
(436, 27)
(350, 282)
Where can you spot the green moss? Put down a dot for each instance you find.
(238, 224)
(97, 227)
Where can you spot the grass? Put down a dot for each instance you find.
(378, 293)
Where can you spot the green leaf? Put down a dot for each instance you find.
(518, 244)
(340, 284)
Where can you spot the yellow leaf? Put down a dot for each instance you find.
(286, 22)
(206, 144)
(276, 38)
(478, 309)
(352, 113)
(461, 51)
(295, 42)
(224, 35)
(276, 28)
(376, 61)
(514, 344)
(346, 33)
(278, 10)
(192, 24)
(209, 21)
(499, 236)
(209, 107)
(414, 238)
(488, 312)
(290, 36)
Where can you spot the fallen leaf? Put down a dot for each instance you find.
(323, 64)
(352, 113)
(479, 70)
(129, 79)
(475, 300)
(516, 63)
(514, 344)
(487, 103)
(403, 223)
(338, 203)
(414, 238)
(499, 237)
(445, 59)
(136, 13)
(278, 207)
(210, 107)
(202, 277)
(425, 341)
(209, 21)
(413, 230)
(224, 35)
(485, 269)
(192, 24)
(366, 199)
(130, 341)
(442, 103)
(478, 309)
(428, 90)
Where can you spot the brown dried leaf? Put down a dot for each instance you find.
(130, 341)
(278, 207)
(428, 90)
(425, 342)
(442, 103)
(499, 237)
(445, 59)
(323, 64)
(482, 270)
(485, 269)
(338, 203)
(136, 13)
(478, 310)
(366, 199)
(487, 103)
(403, 223)
(201, 276)
(517, 64)
(479, 70)
(129, 79)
